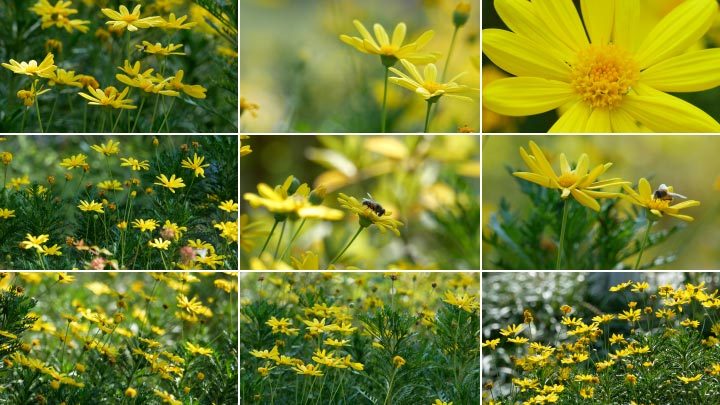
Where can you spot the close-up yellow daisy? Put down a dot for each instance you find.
(659, 201)
(600, 68)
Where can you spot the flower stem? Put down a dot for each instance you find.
(137, 117)
(277, 247)
(268, 238)
(37, 109)
(642, 247)
(117, 120)
(346, 247)
(52, 113)
(384, 107)
(562, 234)
(450, 52)
(427, 116)
(295, 235)
(22, 124)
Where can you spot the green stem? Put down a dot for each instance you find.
(152, 120)
(282, 232)
(295, 235)
(37, 109)
(566, 208)
(137, 117)
(102, 121)
(5, 177)
(52, 112)
(167, 113)
(268, 238)
(163, 260)
(427, 116)
(346, 247)
(117, 120)
(450, 52)
(642, 247)
(85, 118)
(22, 124)
(384, 106)
(390, 388)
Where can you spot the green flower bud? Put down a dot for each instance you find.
(461, 13)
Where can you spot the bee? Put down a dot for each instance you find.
(664, 193)
(373, 205)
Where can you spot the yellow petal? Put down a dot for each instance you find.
(582, 165)
(564, 165)
(599, 16)
(692, 71)
(521, 56)
(526, 95)
(625, 32)
(364, 32)
(585, 200)
(562, 22)
(644, 189)
(686, 204)
(687, 218)
(399, 34)
(599, 121)
(542, 161)
(535, 178)
(573, 120)
(520, 17)
(677, 31)
(529, 161)
(381, 35)
(665, 113)
(623, 122)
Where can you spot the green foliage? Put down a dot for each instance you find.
(15, 318)
(593, 240)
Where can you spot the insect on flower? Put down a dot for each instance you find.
(665, 193)
(373, 205)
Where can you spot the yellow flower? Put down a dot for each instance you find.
(335, 342)
(172, 230)
(108, 98)
(613, 78)
(398, 361)
(132, 21)
(195, 164)
(110, 185)
(91, 206)
(53, 250)
(6, 158)
(44, 69)
(464, 301)
(28, 96)
(368, 216)
(65, 77)
(131, 392)
(172, 183)
(199, 350)
(192, 90)
(135, 164)
(158, 243)
(177, 23)
(228, 206)
(513, 330)
(7, 213)
(34, 242)
(309, 369)
(164, 395)
(580, 183)
(426, 85)
(17, 182)
(645, 197)
(281, 201)
(248, 106)
(309, 261)
(228, 230)
(158, 49)
(145, 225)
(74, 161)
(688, 380)
(391, 50)
(492, 343)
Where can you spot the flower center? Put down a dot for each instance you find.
(656, 204)
(603, 74)
(388, 49)
(432, 87)
(567, 179)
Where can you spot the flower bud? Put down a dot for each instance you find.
(294, 185)
(6, 158)
(318, 195)
(461, 14)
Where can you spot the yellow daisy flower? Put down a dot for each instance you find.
(228, 206)
(91, 206)
(53, 250)
(171, 184)
(368, 216)
(6, 213)
(158, 49)
(111, 148)
(173, 23)
(192, 90)
(145, 225)
(615, 78)
(135, 164)
(159, 243)
(108, 97)
(646, 197)
(44, 69)
(391, 50)
(34, 241)
(124, 19)
(74, 161)
(426, 85)
(195, 164)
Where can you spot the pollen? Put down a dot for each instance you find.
(657, 204)
(603, 74)
(567, 179)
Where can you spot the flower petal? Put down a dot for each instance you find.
(399, 35)
(692, 71)
(599, 16)
(665, 113)
(521, 56)
(542, 161)
(625, 32)
(535, 178)
(687, 218)
(582, 166)
(585, 200)
(562, 22)
(686, 204)
(644, 189)
(599, 121)
(621, 122)
(677, 31)
(564, 165)
(364, 32)
(526, 95)
(381, 35)
(573, 120)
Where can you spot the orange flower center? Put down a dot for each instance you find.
(603, 74)
(567, 179)
(656, 204)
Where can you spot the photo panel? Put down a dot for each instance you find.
(351, 202)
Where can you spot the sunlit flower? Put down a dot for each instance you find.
(177, 23)
(110, 185)
(132, 21)
(29, 96)
(393, 49)
(199, 350)
(158, 49)
(192, 90)
(579, 182)
(34, 241)
(135, 164)
(108, 98)
(427, 86)
(688, 380)
(145, 225)
(7, 213)
(228, 230)
(283, 200)
(368, 216)
(466, 302)
(195, 164)
(91, 206)
(171, 184)
(74, 161)
(65, 77)
(228, 206)
(614, 78)
(54, 250)
(309, 369)
(645, 197)
(44, 69)
(159, 243)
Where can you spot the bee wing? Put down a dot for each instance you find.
(677, 195)
(371, 197)
(662, 187)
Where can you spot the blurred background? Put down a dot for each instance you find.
(686, 162)
(304, 79)
(652, 12)
(430, 183)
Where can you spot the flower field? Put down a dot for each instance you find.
(102, 66)
(133, 202)
(127, 338)
(365, 338)
(601, 338)
(352, 202)
(359, 66)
